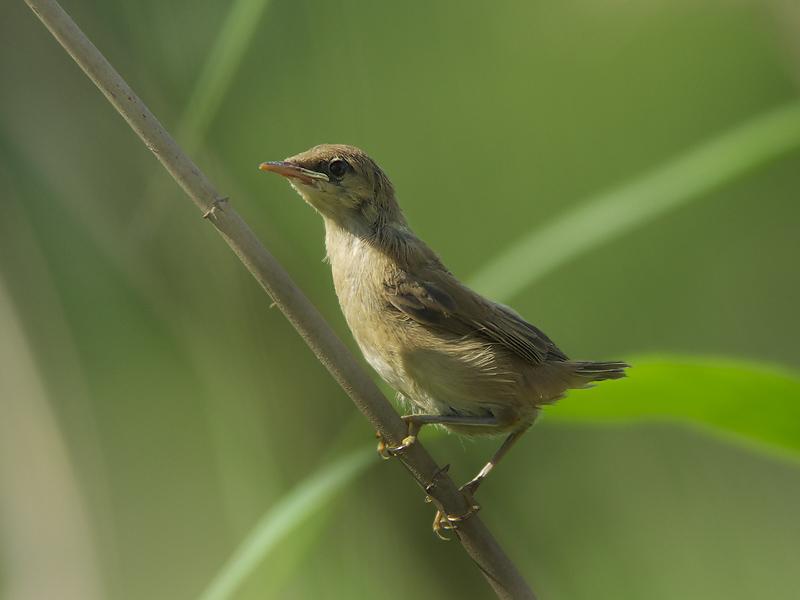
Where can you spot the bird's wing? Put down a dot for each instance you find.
(438, 300)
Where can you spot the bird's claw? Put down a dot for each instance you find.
(444, 522)
(386, 452)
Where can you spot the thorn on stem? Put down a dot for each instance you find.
(214, 206)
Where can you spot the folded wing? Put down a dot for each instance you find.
(438, 300)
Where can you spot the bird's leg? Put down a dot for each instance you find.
(472, 485)
(416, 422)
(443, 522)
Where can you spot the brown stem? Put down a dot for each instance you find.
(479, 543)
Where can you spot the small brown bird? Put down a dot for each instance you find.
(455, 358)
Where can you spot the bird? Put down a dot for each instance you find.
(455, 358)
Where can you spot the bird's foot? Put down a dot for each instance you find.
(412, 430)
(386, 451)
(443, 522)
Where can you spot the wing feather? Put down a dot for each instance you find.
(441, 302)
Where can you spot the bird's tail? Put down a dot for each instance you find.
(589, 372)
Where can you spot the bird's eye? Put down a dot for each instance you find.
(337, 167)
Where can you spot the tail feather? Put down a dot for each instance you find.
(588, 372)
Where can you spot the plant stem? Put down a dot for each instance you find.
(476, 539)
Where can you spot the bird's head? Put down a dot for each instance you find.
(342, 183)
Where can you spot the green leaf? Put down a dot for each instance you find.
(604, 217)
(756, 403)
(291, 512)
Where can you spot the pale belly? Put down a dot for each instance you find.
(467, 383)
(391, 374)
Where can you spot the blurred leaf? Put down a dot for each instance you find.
(47, 540)
(754, 402)
(311, 496)
(219, 69)
(609, 215)
(207, 95)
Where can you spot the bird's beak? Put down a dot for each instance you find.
(293, 171)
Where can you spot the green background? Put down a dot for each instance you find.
(155, 406)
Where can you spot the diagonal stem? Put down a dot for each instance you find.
(476, 539)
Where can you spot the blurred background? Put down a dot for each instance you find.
(157, 415)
